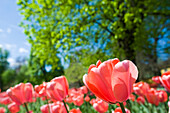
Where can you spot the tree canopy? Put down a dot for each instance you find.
(91, 29)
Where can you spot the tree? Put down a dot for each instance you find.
(3, 64)
(54, 27)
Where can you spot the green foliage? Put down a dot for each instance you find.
(8, 78)
(3, 64)
(74, 74)
(83, 28)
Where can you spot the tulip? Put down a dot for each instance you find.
(165, 80)
(118, 110)
(57, 88)
(163, 97)
(153, 96)
(166, 73)
(132, 97)
(99, 105)
(156, 79)
(4, 98)
(140, 100)
(75, 110)
(106, 79)
(13, 107)
(2, 110)
(83, 90)
(78, 100)
(40, 89)
(141, 88)
(87, 98)
(57, 107)
(21, 93)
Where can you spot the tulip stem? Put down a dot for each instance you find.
(122, 107)
(26, 107)
(65, 106)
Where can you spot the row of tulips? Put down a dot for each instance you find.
(107, 84)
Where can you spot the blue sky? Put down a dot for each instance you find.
(12, 37)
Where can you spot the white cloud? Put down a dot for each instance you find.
(10, 46)
(1, 30)
(23, 50)
(1, 46)
(12, 62)
(9, 30)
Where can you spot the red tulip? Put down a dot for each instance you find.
(140, 100)
(166, 73)
(2, 110)
(13, 107)
(156, 79)
(153, 96)
(163, 97)
(21, 93)
(132, 97)
(57, 88)
(75, 110)
(141, 88)
(87, 98)
(4, 98)
(99, 105)
(165, 80)
(118, 110)
(106, 79)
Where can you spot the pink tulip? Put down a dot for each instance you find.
(57, 88)
(141, 88)
(106, 79)
(140, 100)
(78, 100)
(57, 107)
(21, 93)
(87, 98)
(2, 110)
(13, 107)
(4, 98)
(99, 105)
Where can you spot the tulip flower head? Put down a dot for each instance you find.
(99, 105)
(111, 80)
(2, 110)
(75, 110)
(165, 80)
(57, 88)
(141, 88)
(153, 96)
(140, 100)
(21, 93)
(13, 107)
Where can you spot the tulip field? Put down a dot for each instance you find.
(109, 87)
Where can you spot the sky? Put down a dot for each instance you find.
(12, 37)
